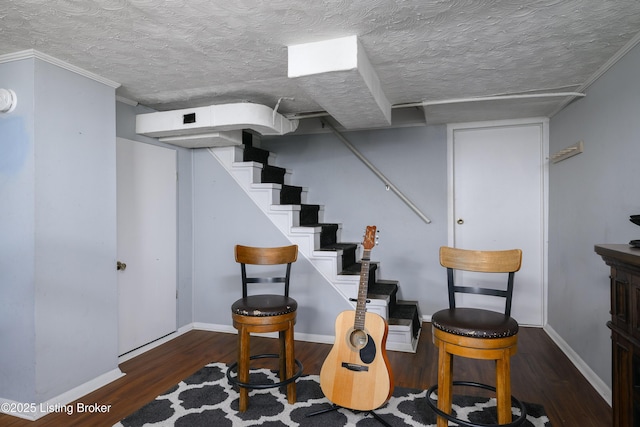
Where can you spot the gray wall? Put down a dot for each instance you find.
(414, 159)
(126, 128)
(57, 275)
(17, 224)
(225, 216)
(591, 197)
(57, 221)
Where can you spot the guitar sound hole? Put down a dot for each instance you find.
(358, 338)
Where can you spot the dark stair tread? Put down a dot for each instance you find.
(328, 233)
(405, 313)
(290, 195)
(309, 214)
(247, 138)
(348, 252)
(400, 312)
(326, 227)
(355, 269)
(386, 293)
(382, 287)
(384, 290)
(252, 154)
(324, 224)
(273, 174)
(307, 208)
(339, 246)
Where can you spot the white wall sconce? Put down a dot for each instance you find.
(8, 100)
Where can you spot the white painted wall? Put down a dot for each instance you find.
(415, 160)
(17, 247)
(225, 216)
(57, 221)
(591, 198)
(57, 277)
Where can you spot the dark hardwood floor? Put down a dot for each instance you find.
(541, 374)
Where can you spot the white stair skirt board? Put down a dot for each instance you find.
(327, 263)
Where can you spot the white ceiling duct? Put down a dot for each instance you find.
(338, 75)
(214, 125)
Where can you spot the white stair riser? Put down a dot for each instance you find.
(329, 264)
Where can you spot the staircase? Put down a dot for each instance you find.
(270, 188)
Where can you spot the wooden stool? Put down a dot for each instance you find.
(265, 313)
(476, 333)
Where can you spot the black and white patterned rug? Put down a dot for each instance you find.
(207, 399)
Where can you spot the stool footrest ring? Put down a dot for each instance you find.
(434, 405)
(261, 386)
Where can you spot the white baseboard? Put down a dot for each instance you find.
(600, 386)
(316, 338)
(596, 382)
(227, 329)
(154, 344)
(321, 339)
(60, 403)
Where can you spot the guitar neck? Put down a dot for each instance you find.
(361, 306)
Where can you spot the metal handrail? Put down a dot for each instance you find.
(379, 174)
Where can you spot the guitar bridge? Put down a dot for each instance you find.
(355, 367)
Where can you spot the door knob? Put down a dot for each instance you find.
(460, 221)
(121, 266)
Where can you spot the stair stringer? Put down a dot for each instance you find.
(286, 219)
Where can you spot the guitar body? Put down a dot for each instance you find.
(358, 376)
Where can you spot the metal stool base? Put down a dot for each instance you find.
(262, 386)
(434, 405)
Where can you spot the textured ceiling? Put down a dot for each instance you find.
(187, 53)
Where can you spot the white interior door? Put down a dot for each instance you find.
(497, 178)
(146, 197)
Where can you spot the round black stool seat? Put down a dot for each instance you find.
(480, 324)
(264, 305)
(475, 323)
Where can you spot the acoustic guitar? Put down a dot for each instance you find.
(356, 374)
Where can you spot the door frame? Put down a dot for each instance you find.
(544, 203)
(132, 352)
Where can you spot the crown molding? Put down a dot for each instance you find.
(32, 53)
(126, 101)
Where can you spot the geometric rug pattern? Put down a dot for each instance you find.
(207, 399)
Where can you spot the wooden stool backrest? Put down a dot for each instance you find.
(506, 261)
(250, 255)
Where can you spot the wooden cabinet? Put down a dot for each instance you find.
(625, 331)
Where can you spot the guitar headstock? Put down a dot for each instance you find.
(370, 237)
